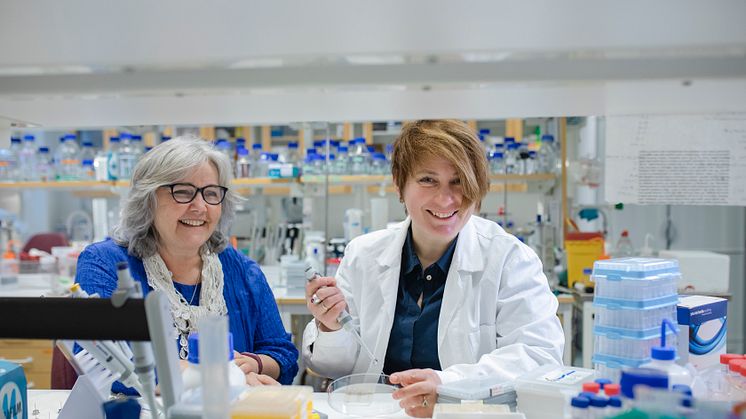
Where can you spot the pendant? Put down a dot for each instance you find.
(183, 353)
(183, 341)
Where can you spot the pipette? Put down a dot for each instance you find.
(344, 318)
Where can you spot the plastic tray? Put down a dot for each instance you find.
(635, 279)
(638, 319)
(615, 345)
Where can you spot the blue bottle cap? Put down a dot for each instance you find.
(137, 137)
(122, 408)
(256, 146)
(87, 144)
(193, 346)
(165, 138)
(615, 401)
(125, 136)
(598, 401)
(240, 140)
(580, 401)
(586, 394)
(43, 149)
(508, 140)
(484, 131)
(114, 139)
(663, 352)
(87, 162)
(682, 388)
(389, 147)
(242, 151)
(70, 136)
(644, 376)
(292, 145)
(370, 148)
(342, 149)
(602, 382)
(547, 137)
(28, 138)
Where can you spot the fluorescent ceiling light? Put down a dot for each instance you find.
(375, 59)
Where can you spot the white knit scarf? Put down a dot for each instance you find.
(186, 316)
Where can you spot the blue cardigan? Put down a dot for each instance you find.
(253, 317)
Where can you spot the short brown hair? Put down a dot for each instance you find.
(450, 139)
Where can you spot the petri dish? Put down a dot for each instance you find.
(363, 395)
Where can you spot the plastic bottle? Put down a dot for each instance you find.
(737, 378)
(243, 164)
(512, 159)
(101, 165)
(44, 168)
(27, 160)
(664, 359)
(597, 407)
(68, 163)
(531, 164)
(359, 157)
(224, 147)
(293, 155)
(389, 152)
(580, 406)
(255, 156)
(127, 157)
(624, 246)
(11, 160)
(549, 158)
(309, 167)
(712, 383)
(378, 164)
(137, 147)
(112, 159)
(341, 164)
(497, 164)
(192, 376)
(87, 152)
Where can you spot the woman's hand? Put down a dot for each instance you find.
(247, 364)
(325, 301)
(254, 379)
(418, 394)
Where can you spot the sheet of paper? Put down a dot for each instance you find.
(676, 159)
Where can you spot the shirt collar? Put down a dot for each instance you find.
(410, 261)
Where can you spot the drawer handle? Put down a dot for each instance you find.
(21, 361)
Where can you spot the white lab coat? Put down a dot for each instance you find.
(498, 315)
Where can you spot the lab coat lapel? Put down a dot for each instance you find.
(467, 259)
(389, 265)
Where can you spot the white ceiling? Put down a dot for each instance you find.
(91, 63)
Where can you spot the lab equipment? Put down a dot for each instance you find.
(213, 353)
(487, 390)
(44, 168)
(192, 375)
(641, 377)
(359, 157)
(243, 164)
(633, 296)
(112, 159)
(624, 247)
(713, 383)
(285, 402)
(68, 158)
(703, 327)
(701, 271)
(353, 223)
(580, 406)
(345, 320)
(13, 390)
(583, 249)
(363, 395)
(127, 157)
(474, 411)
(664, 359)
(546, 391)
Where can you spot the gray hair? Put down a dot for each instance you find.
(167, 163)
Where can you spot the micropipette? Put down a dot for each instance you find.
(344, 319)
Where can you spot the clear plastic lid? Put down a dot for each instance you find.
(363, 395)
(477, 388)
(635, 267)
(555, 377)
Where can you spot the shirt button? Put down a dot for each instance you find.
(429, 277)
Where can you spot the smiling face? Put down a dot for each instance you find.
(184, 228)
(433, 197)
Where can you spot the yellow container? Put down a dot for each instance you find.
(582, 250)
(274, 402)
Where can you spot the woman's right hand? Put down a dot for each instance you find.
(325, 301)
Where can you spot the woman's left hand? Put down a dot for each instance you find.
(246, 363)
(418, 393)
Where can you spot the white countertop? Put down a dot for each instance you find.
(47, 404)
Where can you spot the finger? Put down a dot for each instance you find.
(415, 390)
(326, 292)
(407, 377)
(267, 380)
(252, 379)
(318, 283)
(246, 368)
(419, 411)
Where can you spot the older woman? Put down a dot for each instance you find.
(173, 233)
(442, 296)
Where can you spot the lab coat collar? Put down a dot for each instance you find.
(468, 256)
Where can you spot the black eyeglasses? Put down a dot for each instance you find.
(185, 193)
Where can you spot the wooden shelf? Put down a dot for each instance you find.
(338, 184)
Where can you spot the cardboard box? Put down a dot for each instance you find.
(702, 330)
(13, 395)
